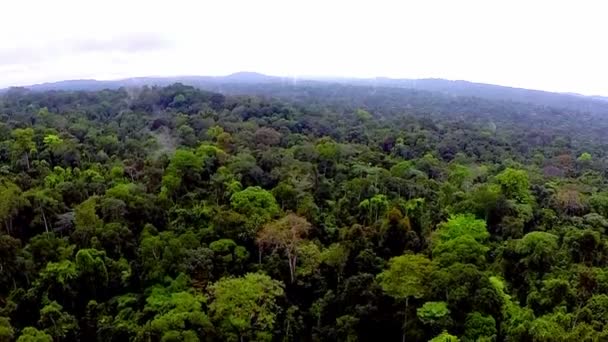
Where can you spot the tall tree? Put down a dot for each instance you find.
(23, 144)
(406, 278)
(286, 234)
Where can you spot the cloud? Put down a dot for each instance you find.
(129, 43)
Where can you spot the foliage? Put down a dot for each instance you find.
(315, 212)
(245, 307)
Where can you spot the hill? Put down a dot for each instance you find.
(244, 82)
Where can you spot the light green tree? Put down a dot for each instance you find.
(405, 278)
(11, 201)
(515, 185)
(460, 225)
(31, 334)
(245, 308)
(52, 142)
(23, 144)
(435, 314)
(375, 207)
(6, 330)
(444, 337)
(585, 157)
(178, 313)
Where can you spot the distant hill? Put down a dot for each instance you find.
(245, 82)
(594, 104)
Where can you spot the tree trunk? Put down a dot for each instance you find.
(405, 318)
(260, 256)
(46, 226)
(292, 265)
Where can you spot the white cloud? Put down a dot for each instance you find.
(553, 45)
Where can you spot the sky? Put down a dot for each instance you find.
(549, 45)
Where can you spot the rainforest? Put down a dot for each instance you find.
(312, 211)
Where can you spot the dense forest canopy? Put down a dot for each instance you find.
(310, 212)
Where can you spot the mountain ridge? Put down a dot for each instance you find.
(247, 79)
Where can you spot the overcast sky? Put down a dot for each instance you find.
(550, 45)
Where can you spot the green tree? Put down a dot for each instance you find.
(515, 185)
(584, 157)
(52, 142)
(336, 257)
(257, 205)
(23, 144)
(6, 330)
(463, 249)
(45, 203)
(434, 313)
(178, 313)
(375, 207)
(11, 201)
(479, 327)
(245, 308)
(31, 334)
(538, 250)
(444, 337)
(56, 322)
(405, 278)
(461, 225)
(86, 220)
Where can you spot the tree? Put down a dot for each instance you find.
(464, 249)
(246, 307)
(267, 136)
(405, 278)
(92, 269)
(256, 204)
(434, 313)
(45, 204)
(444, 337)
(31, 334)
(460, 225)
(286, 234)
(538, 250)
(375, 207)
(57, 322)
(52, 142)
(184, 168)
(599, 203)
(584, 157)
(515, 185)
(178, 313)
(214, 132)
(23, 144)
(545, 329)
(11, 201)
(86, 220)
(6, 330)
(478, 327)
(570, 201)
(336, 256)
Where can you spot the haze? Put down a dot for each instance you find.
(549, 45)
